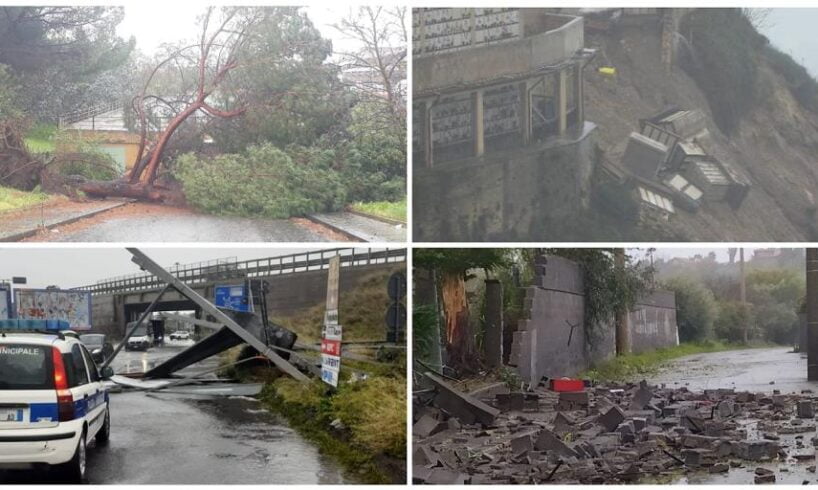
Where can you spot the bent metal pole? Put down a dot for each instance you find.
(149, 265)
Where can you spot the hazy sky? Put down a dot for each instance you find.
(668, 253)
(73, 267)
(178, 21)
(792, 30)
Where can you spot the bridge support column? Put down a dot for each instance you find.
(812, 314)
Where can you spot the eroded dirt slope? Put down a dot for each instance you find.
(775, 145)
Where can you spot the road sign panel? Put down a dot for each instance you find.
(396, 287)
(332, 331)
(331, 347)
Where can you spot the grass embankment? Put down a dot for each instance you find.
(11, 199)
(626, 368)
(384, 209)
(369, 442)
(362, 310)
(40, 139)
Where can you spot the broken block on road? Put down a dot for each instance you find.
(806, 410)
(458, 404)
(612, 418)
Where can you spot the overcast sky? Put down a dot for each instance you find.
(178, 21)
(793, 31)
(73, 267)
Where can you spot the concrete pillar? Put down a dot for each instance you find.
(812, 314)
(562, 102)
(477, 123)
(425, 119)
(525, 114)
(623, 328)
(493, 337)
(579, 95)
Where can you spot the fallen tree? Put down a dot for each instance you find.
(217, 53)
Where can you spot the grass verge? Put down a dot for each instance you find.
(625, 368)
(384, 209)
(362, 425)
(11, 199)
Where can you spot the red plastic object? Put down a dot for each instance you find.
(567, 384)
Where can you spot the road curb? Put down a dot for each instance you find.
(31, 232)
(389, 221)
(334, 228)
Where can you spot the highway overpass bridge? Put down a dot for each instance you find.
(297, 281)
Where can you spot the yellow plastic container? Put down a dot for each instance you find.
(607, 70)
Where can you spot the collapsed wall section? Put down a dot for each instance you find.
(553, 340)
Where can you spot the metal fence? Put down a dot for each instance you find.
(230, 268)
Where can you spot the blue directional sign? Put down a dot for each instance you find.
(236, 298)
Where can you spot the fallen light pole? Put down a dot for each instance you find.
(149, 265)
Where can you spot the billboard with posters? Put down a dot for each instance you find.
(71, 306)
(331, 334)
(5, 302)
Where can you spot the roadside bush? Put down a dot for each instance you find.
(91, 165)
(375, 166)
(696, 309)
(733, 316)
(261, 182)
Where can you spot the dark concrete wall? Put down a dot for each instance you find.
(289, 294)
(541, 345)
(524, 194)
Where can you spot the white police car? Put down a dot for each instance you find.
(52, 400)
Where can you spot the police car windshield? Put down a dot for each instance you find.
(24, 367)
(140, 332)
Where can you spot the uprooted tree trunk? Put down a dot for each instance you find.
(141, 183)
(460, 346)
(18, 168)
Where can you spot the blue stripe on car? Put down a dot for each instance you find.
(47, 411)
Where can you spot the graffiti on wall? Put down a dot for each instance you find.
(73, 307)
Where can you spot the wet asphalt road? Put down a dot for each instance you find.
(177, 439)
(745, 370)
(189, 228)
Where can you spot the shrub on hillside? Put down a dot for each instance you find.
(261, 182)
(801, 84)
(725, 61)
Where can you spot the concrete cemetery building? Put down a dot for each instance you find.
(499, 133)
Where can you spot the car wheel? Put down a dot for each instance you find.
(74, 470)
(105, 431)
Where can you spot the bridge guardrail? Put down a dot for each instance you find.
(284, 264)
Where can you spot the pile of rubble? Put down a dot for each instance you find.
(610, 433)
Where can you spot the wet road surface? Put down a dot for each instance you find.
(745, 370)
(175, 439)
(188, 228)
